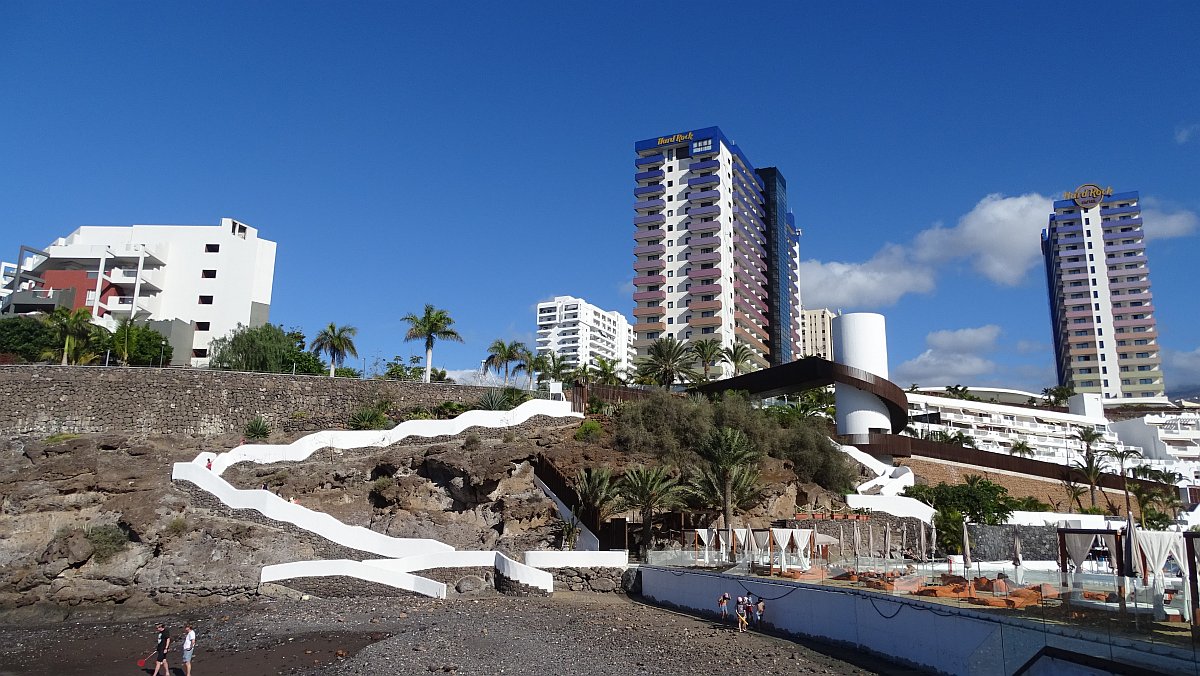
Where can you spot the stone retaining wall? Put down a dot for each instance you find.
(41, 399)
(588, 579)
(995, 543)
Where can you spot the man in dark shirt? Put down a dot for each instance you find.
(164, 644)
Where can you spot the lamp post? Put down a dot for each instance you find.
(162, 349)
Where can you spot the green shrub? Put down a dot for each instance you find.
(450, 409)
(589, 431)
(382, 484)
(510, 436)
(472, 442)
(258, 428)
(107, 541)
(60, 437)
(176, 527)
(369, 419)
(494, 400)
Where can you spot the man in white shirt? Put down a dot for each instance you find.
(189, 644)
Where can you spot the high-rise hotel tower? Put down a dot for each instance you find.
(1105, 334)
(717, 249)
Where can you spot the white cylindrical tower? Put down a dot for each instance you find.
(860, 341)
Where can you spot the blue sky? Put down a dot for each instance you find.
(479, 156)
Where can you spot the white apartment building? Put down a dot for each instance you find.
(816, 333)
(192, 283)
(1164, 436)
(576, 331)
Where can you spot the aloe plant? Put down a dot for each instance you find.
(258, 428)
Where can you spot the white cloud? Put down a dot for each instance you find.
(954, 357)
(1181, 370)
(999, 236)
(981, 339)
(880, 281)
(1162, 222)
(1186, 132)
(1033, 347)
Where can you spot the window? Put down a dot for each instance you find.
(212, 248)
(208, 274)
(200, 352)
(91, 296)
(206, 300)
(202, 326)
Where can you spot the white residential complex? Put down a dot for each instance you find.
(576, 330)
(816, 333)
(192, 283)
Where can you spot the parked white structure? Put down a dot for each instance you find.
(576, 331)
(193, 283)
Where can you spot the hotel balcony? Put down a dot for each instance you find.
(753, 278)
(702, 275)
(650, 219)
(649, 326)
(652, 175)
(1074, 226)
(649, 162)
(1122, 260)
(741, 320)
(714, 257)
(705, 289)
(649, 295)
(742, 248)
(1121, 223)
(1113, 211)
(1074, 276)
(1117, 234)
(704, 165)
(744, 306)
(704, 242)
(124, 304)
(130, 278)
(642, 342)
(701, 195)
(649, 205)
(649, 191)
(1072, 314)
(1142, 361)
(699, 226)
(750, 340)
(753, 297)
(705, 305)
(1130, 323)
(654, 312)
(703, 322)
(642, 266)
(1144, 285)
(643, 235)
(39, 300)
(648, 280)
(700, 212)
(704, 181)
(647, 249)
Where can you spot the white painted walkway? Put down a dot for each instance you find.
(401, 556)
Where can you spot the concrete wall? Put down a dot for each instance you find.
(936, 637)
(40, 399)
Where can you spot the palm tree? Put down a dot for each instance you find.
(1123, 455)
(1021, 449)
(121, 338)
(1092, 464)
(608, 372)
(553, 368)
(1058, 395)
(501, 354)
(727, 450)
(707, 351)
(72, 329)
(1169, 503)
(650, 490)
(739, 356)
(433, 325)
(667, 360)
(1144, 497)
(1074, 492)
(337, 342)
(582, 374)
(529, 363)
(705, 487)
(598, 494)
(1092, 467)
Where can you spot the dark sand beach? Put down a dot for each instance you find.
(570, 634)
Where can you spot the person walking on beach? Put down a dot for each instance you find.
(189, 646)
(741, 614)
(160, 650)
(723, 606)
(750, 611)
(759, 611)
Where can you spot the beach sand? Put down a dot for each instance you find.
(569, 634)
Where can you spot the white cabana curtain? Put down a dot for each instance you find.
(783, 539)
(762, 548)
(1110, 541)
(1157, 546)
(801, 538)
(1078, 546)
(742, 537)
